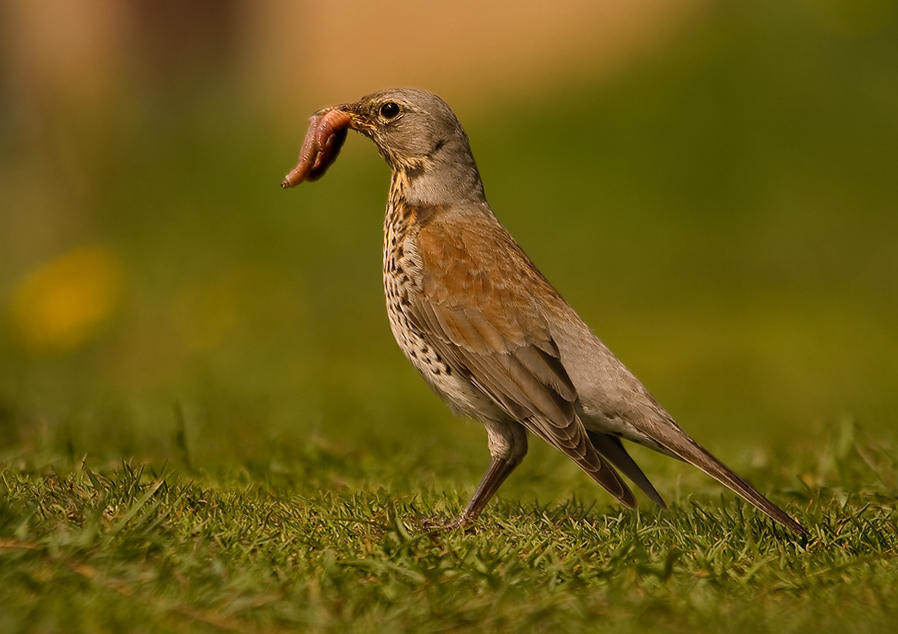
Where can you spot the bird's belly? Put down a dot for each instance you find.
(462, 396)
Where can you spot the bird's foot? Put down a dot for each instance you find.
(464, 523)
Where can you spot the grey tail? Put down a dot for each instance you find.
(612, 448)
(693, 453)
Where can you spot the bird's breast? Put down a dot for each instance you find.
(403, 279)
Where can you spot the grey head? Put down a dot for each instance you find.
(421, 139)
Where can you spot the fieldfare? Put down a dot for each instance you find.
(481, 324)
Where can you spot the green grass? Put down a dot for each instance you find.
(332, 541)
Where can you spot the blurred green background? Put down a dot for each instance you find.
(712, 185)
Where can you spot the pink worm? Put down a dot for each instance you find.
(325, 137)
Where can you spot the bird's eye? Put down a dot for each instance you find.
(389, 110)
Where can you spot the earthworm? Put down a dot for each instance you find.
(325, 137)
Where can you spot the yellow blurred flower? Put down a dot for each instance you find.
(65, 302)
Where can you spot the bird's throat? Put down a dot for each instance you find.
(433, 181)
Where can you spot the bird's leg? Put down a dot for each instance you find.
(498, 471)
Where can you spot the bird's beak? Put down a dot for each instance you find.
(325, 137)
(358, 121)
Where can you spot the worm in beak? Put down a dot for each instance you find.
(325, 137)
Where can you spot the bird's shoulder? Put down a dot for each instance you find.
(468, 259)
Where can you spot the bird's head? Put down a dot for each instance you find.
(415, 131)
(410, 127)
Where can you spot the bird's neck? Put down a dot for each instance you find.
(442, 178)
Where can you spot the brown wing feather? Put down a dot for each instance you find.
(462, 307)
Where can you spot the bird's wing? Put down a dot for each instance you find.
(478, 306)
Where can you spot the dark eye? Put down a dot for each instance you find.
(389, 110)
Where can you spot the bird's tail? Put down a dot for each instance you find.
(693, 453)
(612, 448)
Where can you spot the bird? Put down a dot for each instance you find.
(485, 329)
